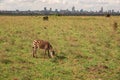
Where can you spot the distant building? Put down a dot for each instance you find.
(109, 11)
(81, 10)
(113, 11)
(101, 11)
(17, 10)
(45, 9)
(56, 10)
(50, 9)
(73, 9)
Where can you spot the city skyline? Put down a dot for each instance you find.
(91, 5)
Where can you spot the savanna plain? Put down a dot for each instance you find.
(87, 48)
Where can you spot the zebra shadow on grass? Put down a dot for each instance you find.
(59, 58)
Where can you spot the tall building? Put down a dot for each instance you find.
(73, 9)
(45, 9)
(101, 10)
(50, 9)
(56, 10)
(113, 11)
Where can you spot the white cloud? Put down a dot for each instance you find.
(60, 4)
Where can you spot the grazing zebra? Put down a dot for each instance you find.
(115, 26)
(108, 15)
(41, 44)
(45, 18)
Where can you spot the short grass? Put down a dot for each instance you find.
(87, 48)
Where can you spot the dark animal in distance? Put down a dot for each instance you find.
(108, 15)
(41, 44)
(45, 18)
(115, 26)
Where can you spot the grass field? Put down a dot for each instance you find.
(87, 48)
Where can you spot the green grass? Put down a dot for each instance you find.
(87, 48)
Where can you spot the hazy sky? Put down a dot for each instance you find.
(59, 4)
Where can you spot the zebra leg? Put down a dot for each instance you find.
(48, 54)
(45, 53)
(34, 51)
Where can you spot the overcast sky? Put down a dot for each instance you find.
(59, 4)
